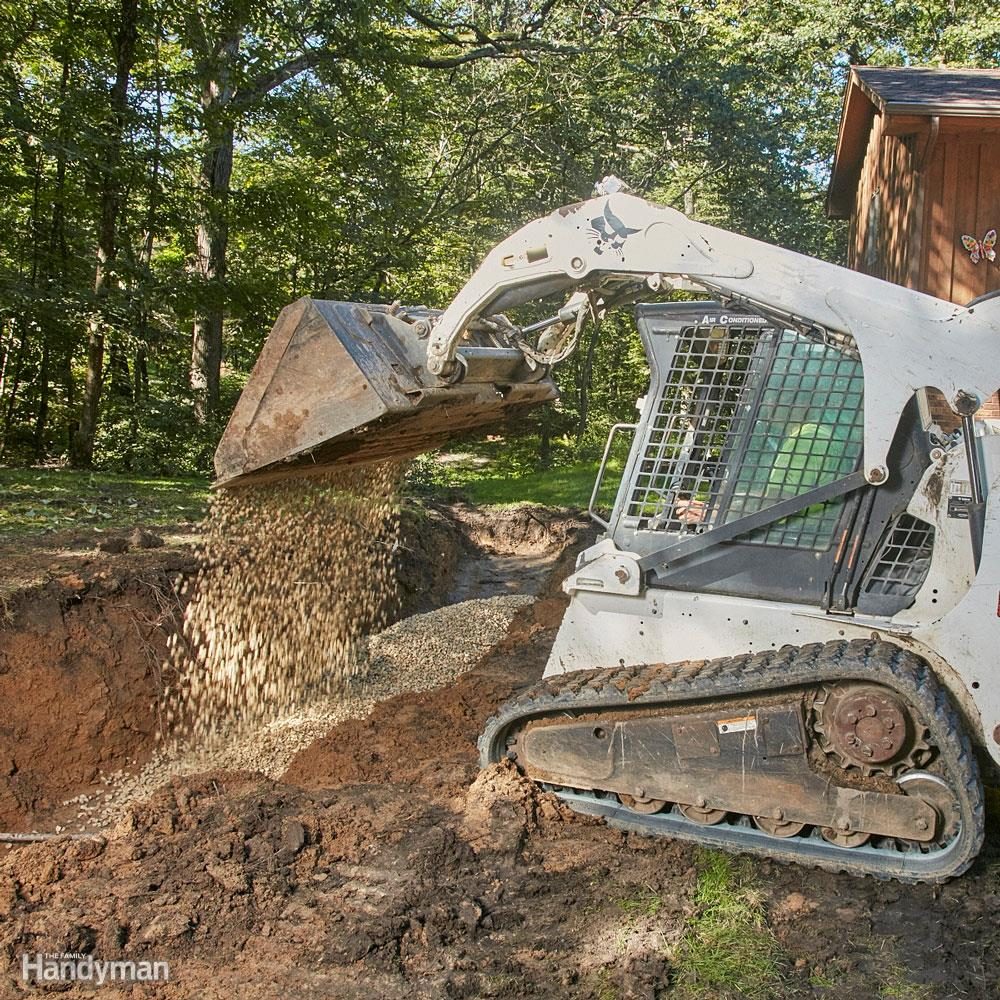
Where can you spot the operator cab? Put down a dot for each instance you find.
(742, 418)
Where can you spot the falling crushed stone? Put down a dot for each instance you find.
(292, 575)
(416, 654)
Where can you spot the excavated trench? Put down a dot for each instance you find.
(83, 657)
(81, 665)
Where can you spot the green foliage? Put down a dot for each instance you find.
(161, 434)
(380, 149)
(727, 950)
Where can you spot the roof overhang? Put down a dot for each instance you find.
(910, 100)
(856, 118)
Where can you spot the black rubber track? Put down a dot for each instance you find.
(708, 681)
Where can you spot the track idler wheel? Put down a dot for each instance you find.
(935, 791)
(778, 827)
(845, 838)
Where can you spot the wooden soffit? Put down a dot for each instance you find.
(856, 119)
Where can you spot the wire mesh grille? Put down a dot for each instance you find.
(679, 478)
(903, 560)
(748, 416)
(807, 432)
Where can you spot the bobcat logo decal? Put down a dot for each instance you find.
(609, 233)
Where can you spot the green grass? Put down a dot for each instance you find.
(606, 989)
(33, 501)
(500, 478)
(728, 949)
(645, 903)
(569, 486)
(820, 981)
(897, 986)
(503, 470)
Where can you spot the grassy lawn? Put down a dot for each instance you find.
(569, 486)
(38, 500)
(35, 501)
(504, 471)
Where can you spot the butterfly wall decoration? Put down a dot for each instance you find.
(981, 249)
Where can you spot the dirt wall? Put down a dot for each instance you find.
(80, 672)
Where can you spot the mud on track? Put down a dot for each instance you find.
(381, 865)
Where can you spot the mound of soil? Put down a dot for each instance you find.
(432, 545)
(520, 529)
(257, 889)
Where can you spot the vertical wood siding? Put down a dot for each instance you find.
(923, 215)
(914, 237)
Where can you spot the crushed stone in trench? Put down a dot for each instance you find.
(418, 653)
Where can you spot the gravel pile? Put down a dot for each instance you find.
(416, 654)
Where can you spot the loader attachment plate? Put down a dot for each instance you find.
(340, 383)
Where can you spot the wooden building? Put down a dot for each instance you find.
(917, 167)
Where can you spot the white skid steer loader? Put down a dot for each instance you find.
(786, 640)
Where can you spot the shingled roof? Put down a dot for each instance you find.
(911, 91)
(902, 90)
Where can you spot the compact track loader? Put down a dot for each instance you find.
(786, 640)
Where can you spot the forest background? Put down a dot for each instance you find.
(173, 173)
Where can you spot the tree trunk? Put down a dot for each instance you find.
(11, 408)
(58, 252)
(544, 442)
(140, 370)
(107, 241)
(42, 410)
(6, 351)
(4, 354)
(213, 240)
(140, 375)
(213, 229)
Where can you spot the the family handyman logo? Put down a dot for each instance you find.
(70, 968)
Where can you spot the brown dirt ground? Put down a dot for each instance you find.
(382, 865)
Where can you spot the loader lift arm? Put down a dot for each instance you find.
(614, 245)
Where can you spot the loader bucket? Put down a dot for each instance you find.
(341, 383)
